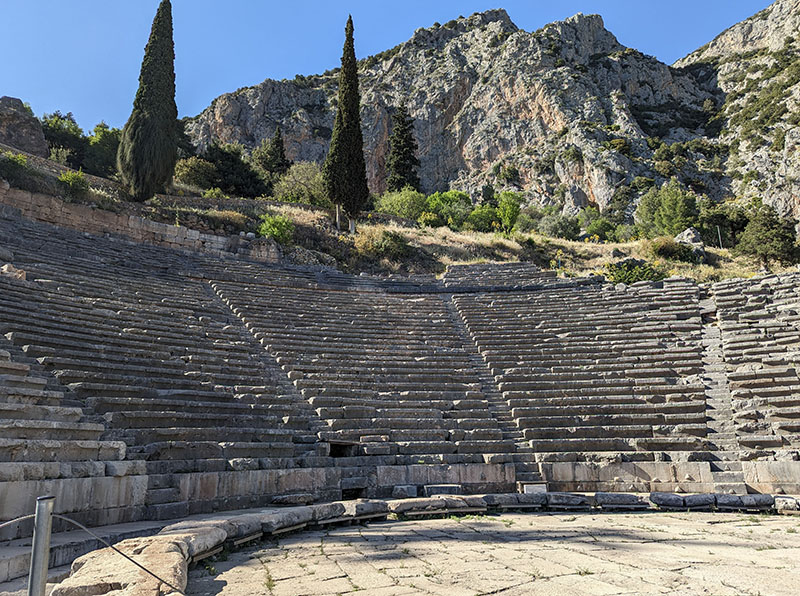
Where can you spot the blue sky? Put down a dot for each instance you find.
(84, 56)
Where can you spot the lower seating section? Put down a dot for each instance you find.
(760, 325)
(592, 368)
(384, 370)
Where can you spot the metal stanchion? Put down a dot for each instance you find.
(40, 555)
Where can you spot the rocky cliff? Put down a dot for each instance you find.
(565, 114)
(19, 128)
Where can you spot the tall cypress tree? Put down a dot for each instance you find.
(344, 171)
(148, 148)
(402, 162)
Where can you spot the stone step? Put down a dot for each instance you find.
(51, 450)
(45, 429)
(24, 411)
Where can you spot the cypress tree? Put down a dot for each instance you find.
(148, 148)
(402, 162)
(344, 171)
(270, 157)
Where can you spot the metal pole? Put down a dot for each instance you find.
(720, 238)
(40, 554)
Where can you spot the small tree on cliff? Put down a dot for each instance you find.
(402, 162)
(344, 171)
(148, 148)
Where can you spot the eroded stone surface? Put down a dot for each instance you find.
(661, 553)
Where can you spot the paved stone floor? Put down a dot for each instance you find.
(515, 554)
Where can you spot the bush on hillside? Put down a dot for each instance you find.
(74, 185)
(302, 183)
(602, 228)
(277, 227)
(406, 203)
(768, 237)
(483, 218)
(666, 211)
(196, 171)
(559, 226)
(453, 207)
(667, 248)
(632, 270)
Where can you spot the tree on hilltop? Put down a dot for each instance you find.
(344, 171)
(402, 162)
(148, 148)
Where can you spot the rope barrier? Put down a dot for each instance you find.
(16, 520)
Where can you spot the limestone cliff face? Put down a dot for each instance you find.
(565, 114)
(755, 67)
(20, 129)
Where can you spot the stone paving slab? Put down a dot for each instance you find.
(516, 554)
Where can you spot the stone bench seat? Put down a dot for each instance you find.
(395, 386)
(20, 428)
(216, 434)
(622, 432)
(103, 405)
(10, 411)
(22, 382)
(638, 419)
(20, 395)
(264, 449)
(59, 450)
(388, 422)
(632, 390)
(414, 375)
(601, 408)
(144, 419)
(618, 444)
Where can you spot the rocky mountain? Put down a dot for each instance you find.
(565, 114)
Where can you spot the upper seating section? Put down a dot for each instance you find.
(146, 347)
(759, 322)
(497, 275)
(386, 370)
(591, 368)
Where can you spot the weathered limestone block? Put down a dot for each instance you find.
(620, 501)
(568, 501)
(667, 500)
(699, 501)
(278, 520)
(417, 504)
(360, 507)
(325, 511)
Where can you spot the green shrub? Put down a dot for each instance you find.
(453, 207)
(721, 222)
(619, 145)
(427, 219)
(302, 183)
(483, 218)
(196, 171)
(509, 175)
(12, 165)
(559, 226)
(666, 211)
(632, 270)
(74, 184)
(277, 227)
(235, 175)
(61, 130)
(572, 153)
(382, 244)
(624, 233)
(768, 237)
(214, 193)
(406, 203)
(101, 152)
(602, 228)
(667, 248)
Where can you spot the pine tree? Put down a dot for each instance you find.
(344, 171)
(269, 159)
(148, 148)
(768, 237)
(402, 162)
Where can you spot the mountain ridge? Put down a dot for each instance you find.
(565, 114)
